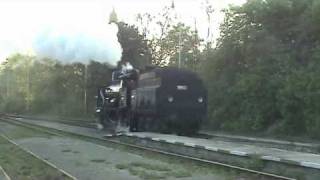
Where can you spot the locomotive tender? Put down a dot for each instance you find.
(161, 99)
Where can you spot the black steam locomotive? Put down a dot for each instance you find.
(160, 99)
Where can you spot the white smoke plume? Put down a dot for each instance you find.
(68, 31)
(79, 44)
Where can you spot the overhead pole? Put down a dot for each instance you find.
(7, 82)
(85, 88)
(173, 6)
(195, 45)
(179, 65)
(28, 84)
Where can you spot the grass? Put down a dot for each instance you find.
(22, 166)
(154, 167)
(146, 175)
(66, 150)
(122, 166)
(78, 164)
(181, 174)
(256, 163)
(98, 160)
(149, 171)
(22, 132)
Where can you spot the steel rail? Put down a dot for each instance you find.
(5, 173)
(38, 157)
(47, 130)
(80, 123)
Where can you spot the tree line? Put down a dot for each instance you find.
(262, 75)
(45, 86)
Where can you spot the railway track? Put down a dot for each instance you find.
(80, 123)
(271, 143)
(63, 173)
(104, 141)
(260, 142)
(3, 174)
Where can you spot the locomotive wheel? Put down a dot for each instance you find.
(163, 126)
(100, 121)
(133, 124)
(105, 121)
(188, 129)
(110, 119)
(186, 132)
(149, 124)
(124, 118)
(144, 124)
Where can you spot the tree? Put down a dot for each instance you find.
(44, 86)
(168, 37)
(159, 46)
(262, 74)
(182, 38)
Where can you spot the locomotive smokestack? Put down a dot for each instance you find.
(127, 71)
(126, 67)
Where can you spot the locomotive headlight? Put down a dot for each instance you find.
(170, 99)
(200, 100)
(112, 100)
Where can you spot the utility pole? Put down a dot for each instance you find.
(180, 44)
(28, 84)
(195, 46)
(7, 71)
(7, 83)
(85, 87)
(173, 6)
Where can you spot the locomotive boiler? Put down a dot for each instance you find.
(160, 99)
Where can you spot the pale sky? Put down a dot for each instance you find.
(23, 20)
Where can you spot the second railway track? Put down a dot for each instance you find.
(262, 142)
(119, 142)
(58, 173)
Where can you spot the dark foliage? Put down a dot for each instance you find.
(264, 73)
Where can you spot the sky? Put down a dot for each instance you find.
(78, 29)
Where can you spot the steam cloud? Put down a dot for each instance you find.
(79, 44)
(67, 31)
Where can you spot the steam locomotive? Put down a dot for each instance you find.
(168, 100)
